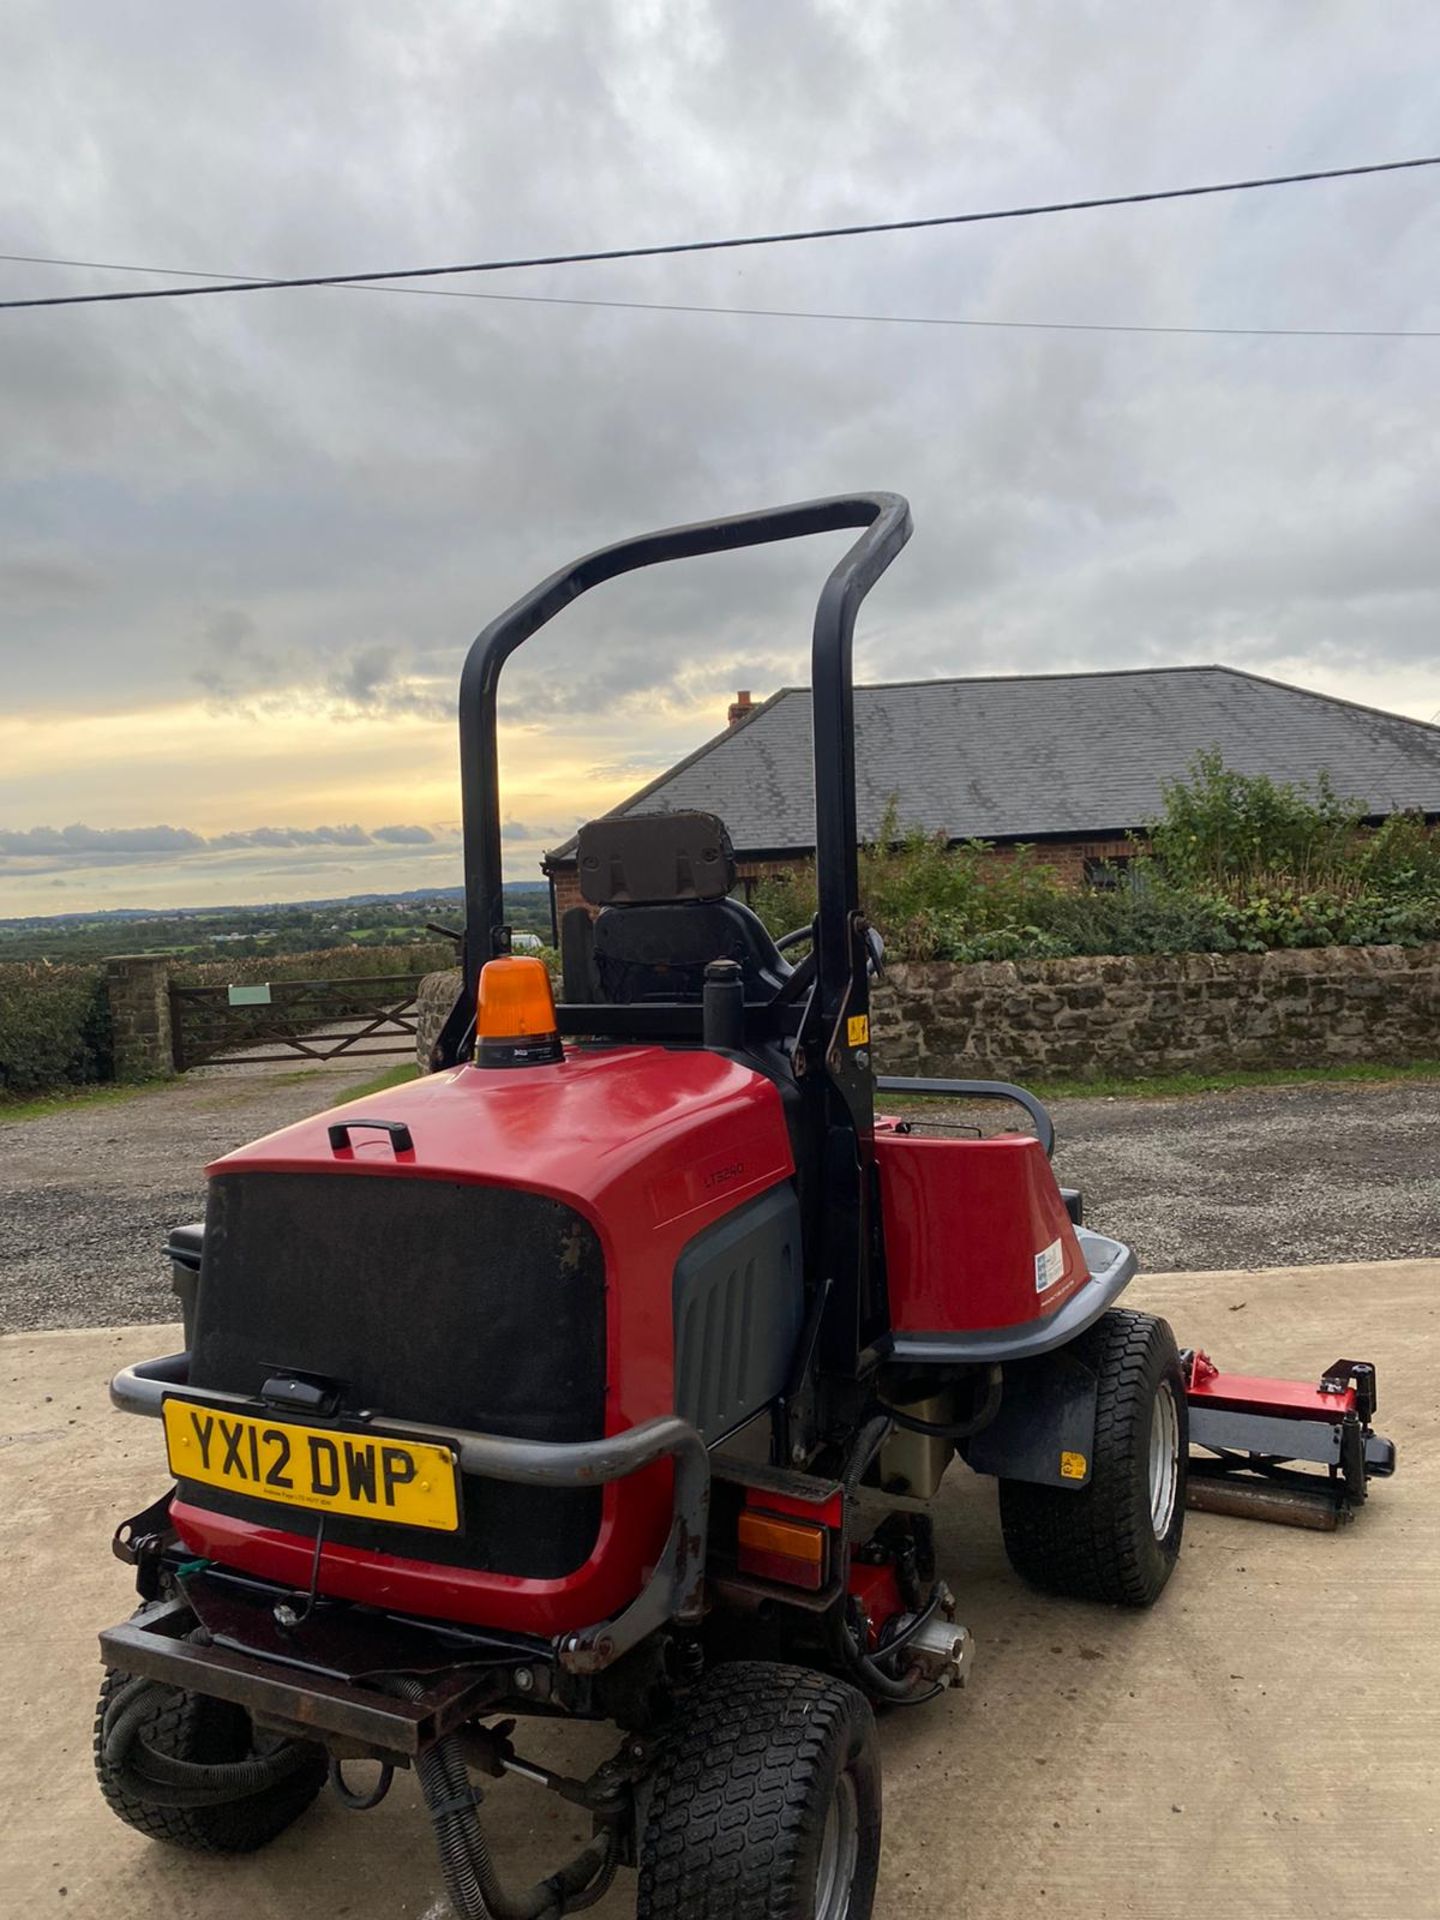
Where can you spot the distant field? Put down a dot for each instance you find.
(214, 934)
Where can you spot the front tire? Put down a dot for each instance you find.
(765, 1804)
(1118, 1537)
(193, 1728)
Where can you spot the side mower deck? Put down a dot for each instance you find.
(1252, 1431)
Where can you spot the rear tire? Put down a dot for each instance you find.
(765, 1804)
(193, 1727)
(1118, 1537)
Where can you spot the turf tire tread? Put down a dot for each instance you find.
(735, 1793)
(182, 1727)
(1098, 1543)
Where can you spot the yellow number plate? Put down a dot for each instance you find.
(409, 1482)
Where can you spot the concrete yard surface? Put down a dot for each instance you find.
(1266, 1742)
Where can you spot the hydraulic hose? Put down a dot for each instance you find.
(956, 1429)
(885, 1656)
(166, 1781)
(857, 1664)
(867, 1675)
(474, 1887)
(868, 1442)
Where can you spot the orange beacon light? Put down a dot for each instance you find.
(515, 1024)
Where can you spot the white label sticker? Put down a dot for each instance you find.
(1049, 1266)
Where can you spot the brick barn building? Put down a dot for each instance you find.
(1071, 763)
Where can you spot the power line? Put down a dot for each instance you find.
(717, 246)
(791, 313)
(941, 320)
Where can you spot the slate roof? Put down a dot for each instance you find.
(1041, 755)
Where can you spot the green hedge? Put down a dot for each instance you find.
(54, 1027)
(327, 963)
(55, 1020)
(1237, 863)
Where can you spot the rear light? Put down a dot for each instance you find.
(515, 1024)
(793, 1552)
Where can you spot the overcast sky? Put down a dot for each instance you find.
(245, 541)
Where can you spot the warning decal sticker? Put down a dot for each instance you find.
(1049, 1266)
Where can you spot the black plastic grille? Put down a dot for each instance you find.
(427, 1300)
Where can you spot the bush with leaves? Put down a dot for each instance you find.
(1401, 858)
(1145, 913)
(1225, 829)
(932, 901)
(54, 1027)
(1235, 863)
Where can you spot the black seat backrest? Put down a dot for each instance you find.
(653, 859)
(661, 882)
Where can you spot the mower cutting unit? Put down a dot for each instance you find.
(604, 1373)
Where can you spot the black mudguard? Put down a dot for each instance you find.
(1045, 1429)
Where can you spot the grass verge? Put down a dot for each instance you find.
(1168, 1086)
(382, 1083)
(68, 1099)
(1172, 1086)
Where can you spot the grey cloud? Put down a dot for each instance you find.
(404, 836)
(81, 840)
(311, 501)
(521, 830)
(83, 843)
(350, 836)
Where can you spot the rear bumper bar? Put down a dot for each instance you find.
(674, 1590)
(162, 1643)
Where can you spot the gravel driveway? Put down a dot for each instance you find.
(1262, 1177)
(1289, 1176)
(88, 1196)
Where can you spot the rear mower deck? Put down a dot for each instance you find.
(1252, 1431)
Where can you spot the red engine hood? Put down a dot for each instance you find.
(637, 1138)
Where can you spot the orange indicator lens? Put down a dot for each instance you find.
(785, 1550)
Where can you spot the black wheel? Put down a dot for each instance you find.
(1118, 1537)
(191, 1727)
(765, 1804)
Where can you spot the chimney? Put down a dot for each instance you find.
(740, 706)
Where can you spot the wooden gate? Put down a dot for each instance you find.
(290, 1020)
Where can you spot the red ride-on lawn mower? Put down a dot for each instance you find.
(547, 1385)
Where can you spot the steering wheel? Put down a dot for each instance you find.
(872, 940)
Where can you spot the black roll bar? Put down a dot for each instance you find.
(885, 518)
(977, 1090)
(832, 1052)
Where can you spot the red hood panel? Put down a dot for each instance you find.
(670, 1132)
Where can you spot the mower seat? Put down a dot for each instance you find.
(661, 952)
(662, 884)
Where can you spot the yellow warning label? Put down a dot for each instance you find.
(857, 1029)
(1073, 1466)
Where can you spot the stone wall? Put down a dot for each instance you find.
(1147, 1013)
(437, 995)
(138, 989)
(1159, 1013)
